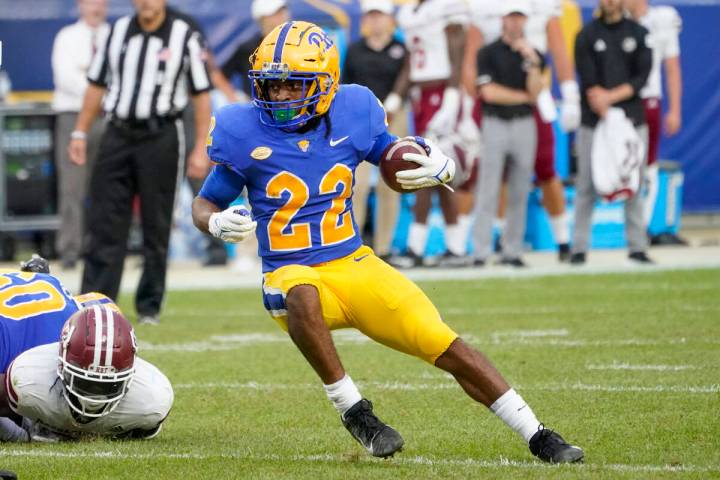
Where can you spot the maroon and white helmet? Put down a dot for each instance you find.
(97, 360)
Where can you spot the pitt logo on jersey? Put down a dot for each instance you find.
(304, 145)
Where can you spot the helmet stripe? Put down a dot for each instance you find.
(98, 335)
(110, 336)
(277, 54)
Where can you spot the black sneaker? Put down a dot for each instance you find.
(149, 320)
(578, 258)
(379, 439)
(478, 262)
(640, 257)
(512, 262)
(550, 447)
(563, 252)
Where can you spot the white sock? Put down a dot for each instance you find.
(512, 409)
(343, 394)
(10, 432)
(454, 239)
(417, 238)
(560, 225)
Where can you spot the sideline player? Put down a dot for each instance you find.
(435, 36)
(96, 363)
(296, 149)
(544, 32)
(664, 25)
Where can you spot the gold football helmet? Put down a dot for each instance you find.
(301, 52)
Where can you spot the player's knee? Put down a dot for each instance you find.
(301, 300)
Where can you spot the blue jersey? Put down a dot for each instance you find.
(33, 310)
(299, 184)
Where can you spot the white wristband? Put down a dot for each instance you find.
(570, 91)
(78, 135)
(392, 103)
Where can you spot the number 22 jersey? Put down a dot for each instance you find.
(299, 184)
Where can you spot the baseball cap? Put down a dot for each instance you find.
(516, 6)
(383, 6)
(263, 8)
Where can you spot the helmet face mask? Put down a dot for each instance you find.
(96, 361)
(301, 54)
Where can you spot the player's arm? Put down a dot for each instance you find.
(445, 119)
(673, 73)
(673, 79)
(473, 43)
(92, 102)
(211, 212)
(570, 107)
(394, 100)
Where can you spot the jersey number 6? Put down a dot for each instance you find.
(335, 226)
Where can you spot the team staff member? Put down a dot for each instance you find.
(375, 61)
(510, 79)
(72, 53)
(613, 63)
(151, 62)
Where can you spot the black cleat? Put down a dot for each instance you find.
(640, 257)
(410, 260)
(512, 262)
(563, 252)
(550, 447)
(36, 264)
(578, 258)
(379, 439)
(452, 260)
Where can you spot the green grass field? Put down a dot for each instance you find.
(625, 366)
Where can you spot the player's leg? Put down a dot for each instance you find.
(488, 187)
(389, 308)
(108, 218)
(454, 241)
(483, 383)
(584, 196)
(553, 193)
(652, 118)
(298, 299)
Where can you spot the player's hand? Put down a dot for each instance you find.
(232, 225)
(198, 163)
(77, 150)
(445, 119)
(570, 106)
(599, 100)
(435, 168)
(672, 123)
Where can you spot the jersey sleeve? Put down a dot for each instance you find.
(668, 31)
(453, 12)
(222, 186)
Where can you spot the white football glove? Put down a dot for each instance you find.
(570, 106)
(435, 168)
(232, 225)
(446, 117)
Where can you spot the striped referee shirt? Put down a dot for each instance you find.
(149, 74)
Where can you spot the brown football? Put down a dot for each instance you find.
(392, 161)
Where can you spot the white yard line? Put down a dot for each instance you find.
(445, 385)
(627, 366)
(500, 464)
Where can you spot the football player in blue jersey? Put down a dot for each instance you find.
(295, 149)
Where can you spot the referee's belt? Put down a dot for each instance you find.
(149, 125)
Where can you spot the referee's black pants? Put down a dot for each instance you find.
(132, 162)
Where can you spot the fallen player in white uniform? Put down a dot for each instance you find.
(91, 383)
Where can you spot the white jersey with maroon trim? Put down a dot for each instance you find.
(36, 392)
(664, 25)
(487, 17)
(424, 28)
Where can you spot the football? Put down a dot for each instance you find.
(392, 161)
